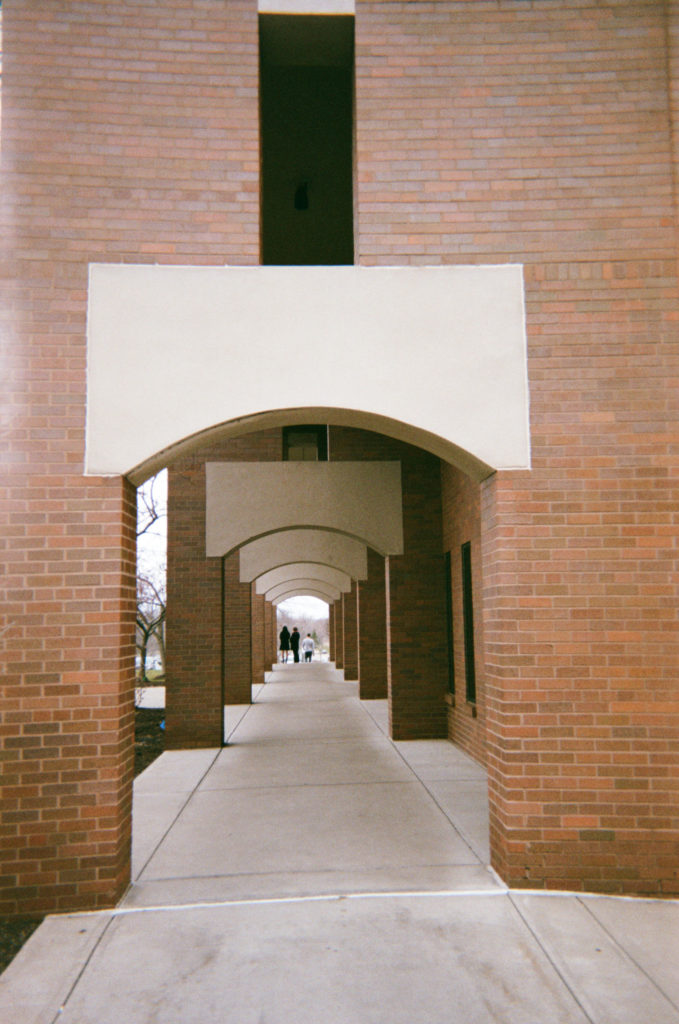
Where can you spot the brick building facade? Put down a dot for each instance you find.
(539, 133)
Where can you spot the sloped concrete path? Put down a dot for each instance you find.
(314, 871)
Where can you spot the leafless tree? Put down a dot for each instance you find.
(150, 509)
(151, 610)
(151, 576)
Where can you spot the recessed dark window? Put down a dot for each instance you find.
(449, 621)
(306, 115)
(305, 444)
(468, 622)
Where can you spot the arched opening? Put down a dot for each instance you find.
(254, 528)
(386, 675)
(311, 615)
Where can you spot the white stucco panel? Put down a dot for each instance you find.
(173, 351)
(245, 500)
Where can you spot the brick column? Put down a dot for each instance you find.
(258, 619)
(372, 630)
(339, 632)
(237, 635)
(67, 679)
(269, 636)
(331, 631)
(194, 715)
(418, 674)
(350, 608)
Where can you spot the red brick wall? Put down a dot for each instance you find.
(270, 637)
(471, 149)
(339, 633)
(331, 630)
(127, 136)
(349, 602)
(512, 131)
(462, 524)
(194, 620)
(237, 633)
(258, 637)
(373, 672)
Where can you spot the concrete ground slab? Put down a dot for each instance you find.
(174, 892)
(39, 980)
(152, 816)
(606, 977)
(379, 712)
(311, 762)
(433, 760)
(285, 720)
(360, 960)
(465, 802)
(233, 713)
(177, 771)
(150, 697)
(160, 793)
(301, 876)
(323, 672)
(648, 930)
(306, 828)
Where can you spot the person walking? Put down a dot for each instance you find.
(308, 647)
(284, 638)
(294, 644)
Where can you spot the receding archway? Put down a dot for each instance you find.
(325, 547)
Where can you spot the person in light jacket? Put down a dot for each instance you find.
(308, 647)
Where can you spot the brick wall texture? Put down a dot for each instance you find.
(350, 604)
(541, 132)
(372, 630)
(462, 525)
(471, 150)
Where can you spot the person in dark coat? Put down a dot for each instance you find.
(294, 643)
(284, 638)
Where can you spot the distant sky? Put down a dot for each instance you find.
(152, 545)
(303, 607)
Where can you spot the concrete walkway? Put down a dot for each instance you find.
(314, 872)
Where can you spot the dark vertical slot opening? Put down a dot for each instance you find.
(306, 114)
(449, 621)
(468, 622)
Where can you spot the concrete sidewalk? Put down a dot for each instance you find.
(313, 871)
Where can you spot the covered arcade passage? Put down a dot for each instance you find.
(368, 521)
